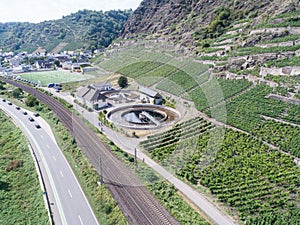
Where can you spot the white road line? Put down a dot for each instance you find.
(61, 173)
(70, 193)
(54, 158)
(80, 220)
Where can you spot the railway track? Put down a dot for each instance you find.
(137, 203)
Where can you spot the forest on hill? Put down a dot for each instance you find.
(85, 29)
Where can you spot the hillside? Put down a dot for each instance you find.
(199, 19)
(85, 29)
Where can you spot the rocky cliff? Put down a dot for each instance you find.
(199, 17)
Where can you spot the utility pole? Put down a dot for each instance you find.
(135, 159)
(101, 171)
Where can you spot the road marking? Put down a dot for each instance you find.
(70, 193)
(80, 220)
(54, 158)
(61, 173)
(48, 146)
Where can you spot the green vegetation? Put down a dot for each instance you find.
(245, 111)
(252, 71)
(20, 193)
(215, 91)
(162, 145)
(184, 75)
(85, 29)
(259, 50)
(223, 18)
(286, 80)
(289, 22)
(56, 76)
(250, 177)
(162, 190)
(122, 81)
(285, 136)
(291, 61)
(253, 179)
(213, 58)
(290, 37)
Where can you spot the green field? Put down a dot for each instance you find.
(21, 198)
(57, 76)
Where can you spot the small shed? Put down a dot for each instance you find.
(149, 96)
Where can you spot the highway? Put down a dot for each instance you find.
(67, 200)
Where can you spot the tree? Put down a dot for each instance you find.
(17, 92)
(123, 81)
(31, 101)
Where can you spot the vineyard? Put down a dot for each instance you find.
(245, 111)
(162, 145)
(286, 137)
(215, 91)
(256, 181)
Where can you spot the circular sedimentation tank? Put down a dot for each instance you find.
(143, 116)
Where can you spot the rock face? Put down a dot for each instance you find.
(186, 16)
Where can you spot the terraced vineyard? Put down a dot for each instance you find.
(245, 111)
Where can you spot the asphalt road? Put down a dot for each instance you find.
(67, 200)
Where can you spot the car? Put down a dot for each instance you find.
(37, 126)
(24, 113)
(9, 103)
(30, 119)
(3, 100)
(18, 108)
(36, 114)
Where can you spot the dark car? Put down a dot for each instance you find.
(37, 126)
(30, 119)
(3, 100)
(24, 113)
(18, 108)
(9, 103)
(36, 114)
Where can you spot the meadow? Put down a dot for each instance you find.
(56, 76)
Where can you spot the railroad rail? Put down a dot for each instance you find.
(136, 202)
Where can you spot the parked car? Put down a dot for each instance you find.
(37, 126)
(51, 85)
(3, 100)
(30, 119)
(24, 113)
(18, 108)
(9, 103)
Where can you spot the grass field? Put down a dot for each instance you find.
(57, 76)
(21, 200)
